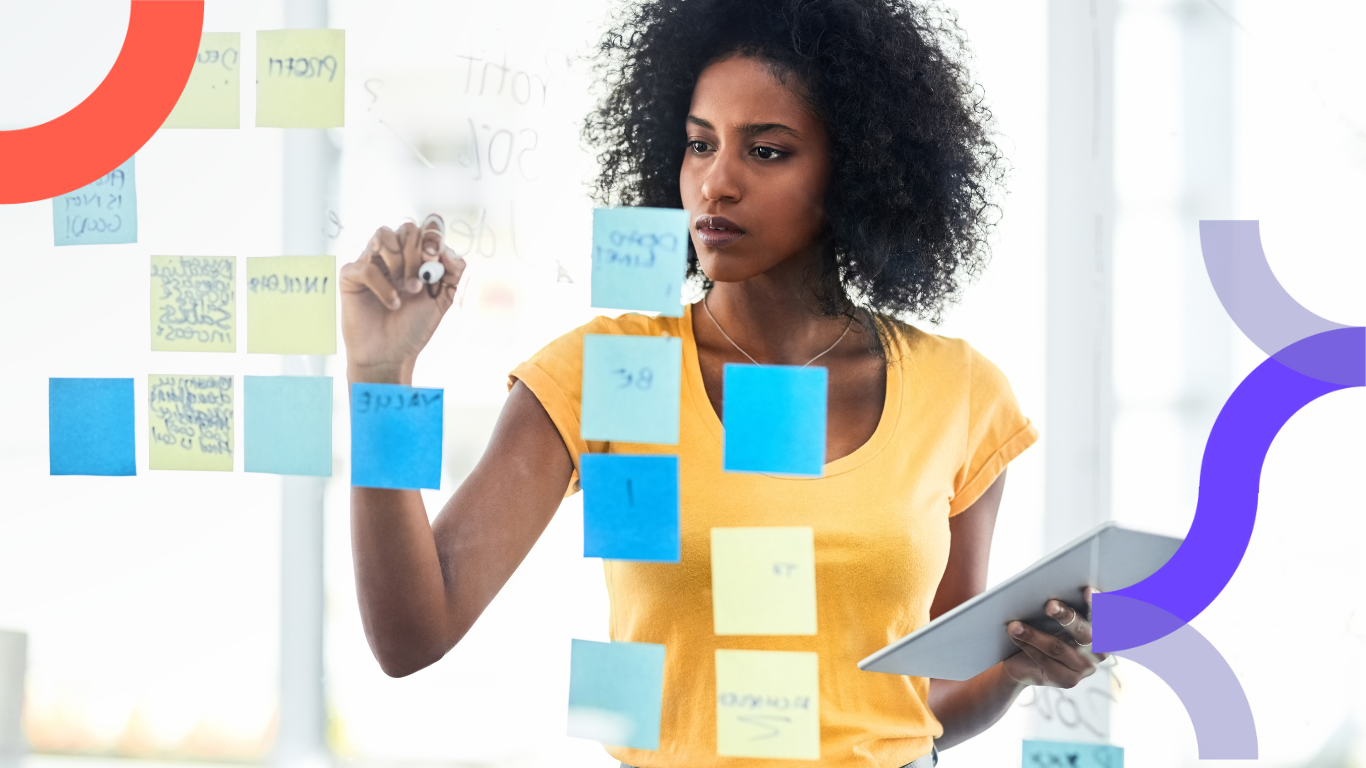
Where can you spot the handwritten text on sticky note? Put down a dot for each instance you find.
(1061, 754)
(630, 506)
(103, 212)
(191, 422)
(300, 78)
(395, 436)
(631, 386)
(292, 305)
(287, 425)
(616, 692)
(194, 304)
(211, 96)
(774, 419)
(763, 581)
(90, 427)
(768, 704)
(640, 258)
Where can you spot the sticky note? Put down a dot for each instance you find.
(211, 96)
(1061, 754)
(395, 436)
(640, 258)
(90, 427)
(190, 418)
(763, 581)
(103, 212)
(630, 506)
(194, 304)
(300, 78)
(768, 704)
(287, 425)
(774, 417)
(631, 386)
(616, 692)
(292, 305)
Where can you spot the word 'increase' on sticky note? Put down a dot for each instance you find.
(640, 258)
(90, 427)
(631, 386)
(763, 581)
(768, 704)
(287, 425)
(630, 507)
(103, 212)
(395, 436)
(1061, 754)
(194, 304)
(616, 693)
(191, 422)
(292, 305)
(774, 419)
(300, 78)
(212, 95)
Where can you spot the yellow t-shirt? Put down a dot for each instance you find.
(880, 515)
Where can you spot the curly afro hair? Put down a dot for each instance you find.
(915, 172)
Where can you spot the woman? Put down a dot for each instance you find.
(837, 169)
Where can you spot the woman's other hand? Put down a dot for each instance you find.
(1045, 659)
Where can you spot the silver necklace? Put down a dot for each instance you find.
(847, 326)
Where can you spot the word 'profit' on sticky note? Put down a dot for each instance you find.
(768, 704)
(191, 422)
(103, 212)
(616, 693)
(1061, 754)
(763, 581)
(194, 304)
(774, 417)
(395, 436)
(287, 425)
(631, 386)
(640, 258)
(211, 96)
(630, 506)
(90, 427)
(300, 78)
(292, 305)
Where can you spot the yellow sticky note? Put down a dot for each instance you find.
(212, 95)
(763, 581)
(194, 304)
(191, 421)
(292, 305)
(768, 704)
(300, 78)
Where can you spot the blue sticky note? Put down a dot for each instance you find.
(774, 419)
(287, 425)
(90, 427)
(616, 692)
(103, 212)
(631, 386)
(630, 506)
(395, 436)
(640, 258)
(1061, 754)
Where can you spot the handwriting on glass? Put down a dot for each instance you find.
(192, 412)
(635, 249)
(641, 379)
(306, 67)
(97, 208)
(288, 284)
(763, 711)
(197, 300)
(368, 402)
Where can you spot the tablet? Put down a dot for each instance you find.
(971, 638)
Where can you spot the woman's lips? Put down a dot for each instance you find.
(717, 231)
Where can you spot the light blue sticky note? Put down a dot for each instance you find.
(1061, 754)
(90, 427)
(616, 692)
(631, 386)
(103, 212)
(630, 506)
(395, 436)
(287, 425)
(640, 257)
(774, 419)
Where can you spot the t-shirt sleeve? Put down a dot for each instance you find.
(997, 432)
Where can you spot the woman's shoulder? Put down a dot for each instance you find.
(947, 357)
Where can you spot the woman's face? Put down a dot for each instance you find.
(755, 170)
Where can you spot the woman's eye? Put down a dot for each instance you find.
(697, 146)
(768, 153)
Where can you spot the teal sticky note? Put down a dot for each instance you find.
(103, 212)
(631, 386)
(287, 425)
(774, 418)
(630, 507)
(1062, 754)
(90, 427)
(616, 693)
(640, 258)
(395, 436)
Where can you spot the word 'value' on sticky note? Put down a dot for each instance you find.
(395, 436)
(616, 693)
(191, 422)
(763, 581)
(640, 258)
(194, 304)
(1061, 754)
(292, 305)
(768, 704)
(211, 97)
(630, 507)
(90, 427)
(774, 417)
(287, 425)
(300, 78)
(631, 386)
(103, 212)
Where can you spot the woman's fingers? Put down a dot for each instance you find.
(367, 274)
(1050, 671)
(1076, 626)
(1052, 646)
(406, 276)
(387, 245)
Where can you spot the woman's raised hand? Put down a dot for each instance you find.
(388, 314)
(1050, 660)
